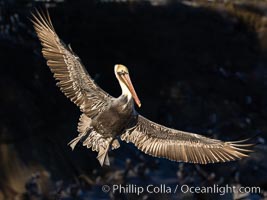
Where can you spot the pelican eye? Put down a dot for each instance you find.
(122, 73)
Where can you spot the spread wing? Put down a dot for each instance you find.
(73, 79)
(160, 141)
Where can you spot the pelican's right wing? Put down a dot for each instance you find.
(73, 79)
(160, 141)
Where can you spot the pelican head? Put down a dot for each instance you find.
(122, 74)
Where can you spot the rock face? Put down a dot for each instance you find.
(197, 67)
(254, 168)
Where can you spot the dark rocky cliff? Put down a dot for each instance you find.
(199, 68)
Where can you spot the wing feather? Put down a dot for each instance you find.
(73, 79)
(160, 141)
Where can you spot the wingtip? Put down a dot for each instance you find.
(34, 11)
(242, 150)
(41, 17)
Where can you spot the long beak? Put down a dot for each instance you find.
(129, 84)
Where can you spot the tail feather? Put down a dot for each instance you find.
(74, 142)
(91, 139)
(103, 156)
(100, 144)
(83, 129)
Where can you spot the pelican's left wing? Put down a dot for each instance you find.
(160, 141)
(73, 79)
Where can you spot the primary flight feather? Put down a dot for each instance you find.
(105, 118)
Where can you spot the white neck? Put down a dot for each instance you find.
(124, 89)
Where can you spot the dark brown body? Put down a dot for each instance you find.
(117, 117)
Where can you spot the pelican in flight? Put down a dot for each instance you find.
(105, 119)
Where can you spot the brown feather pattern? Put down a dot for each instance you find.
(72, 77)
(152, 138)
(160, 141)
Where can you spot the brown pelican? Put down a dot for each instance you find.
(104, 118)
